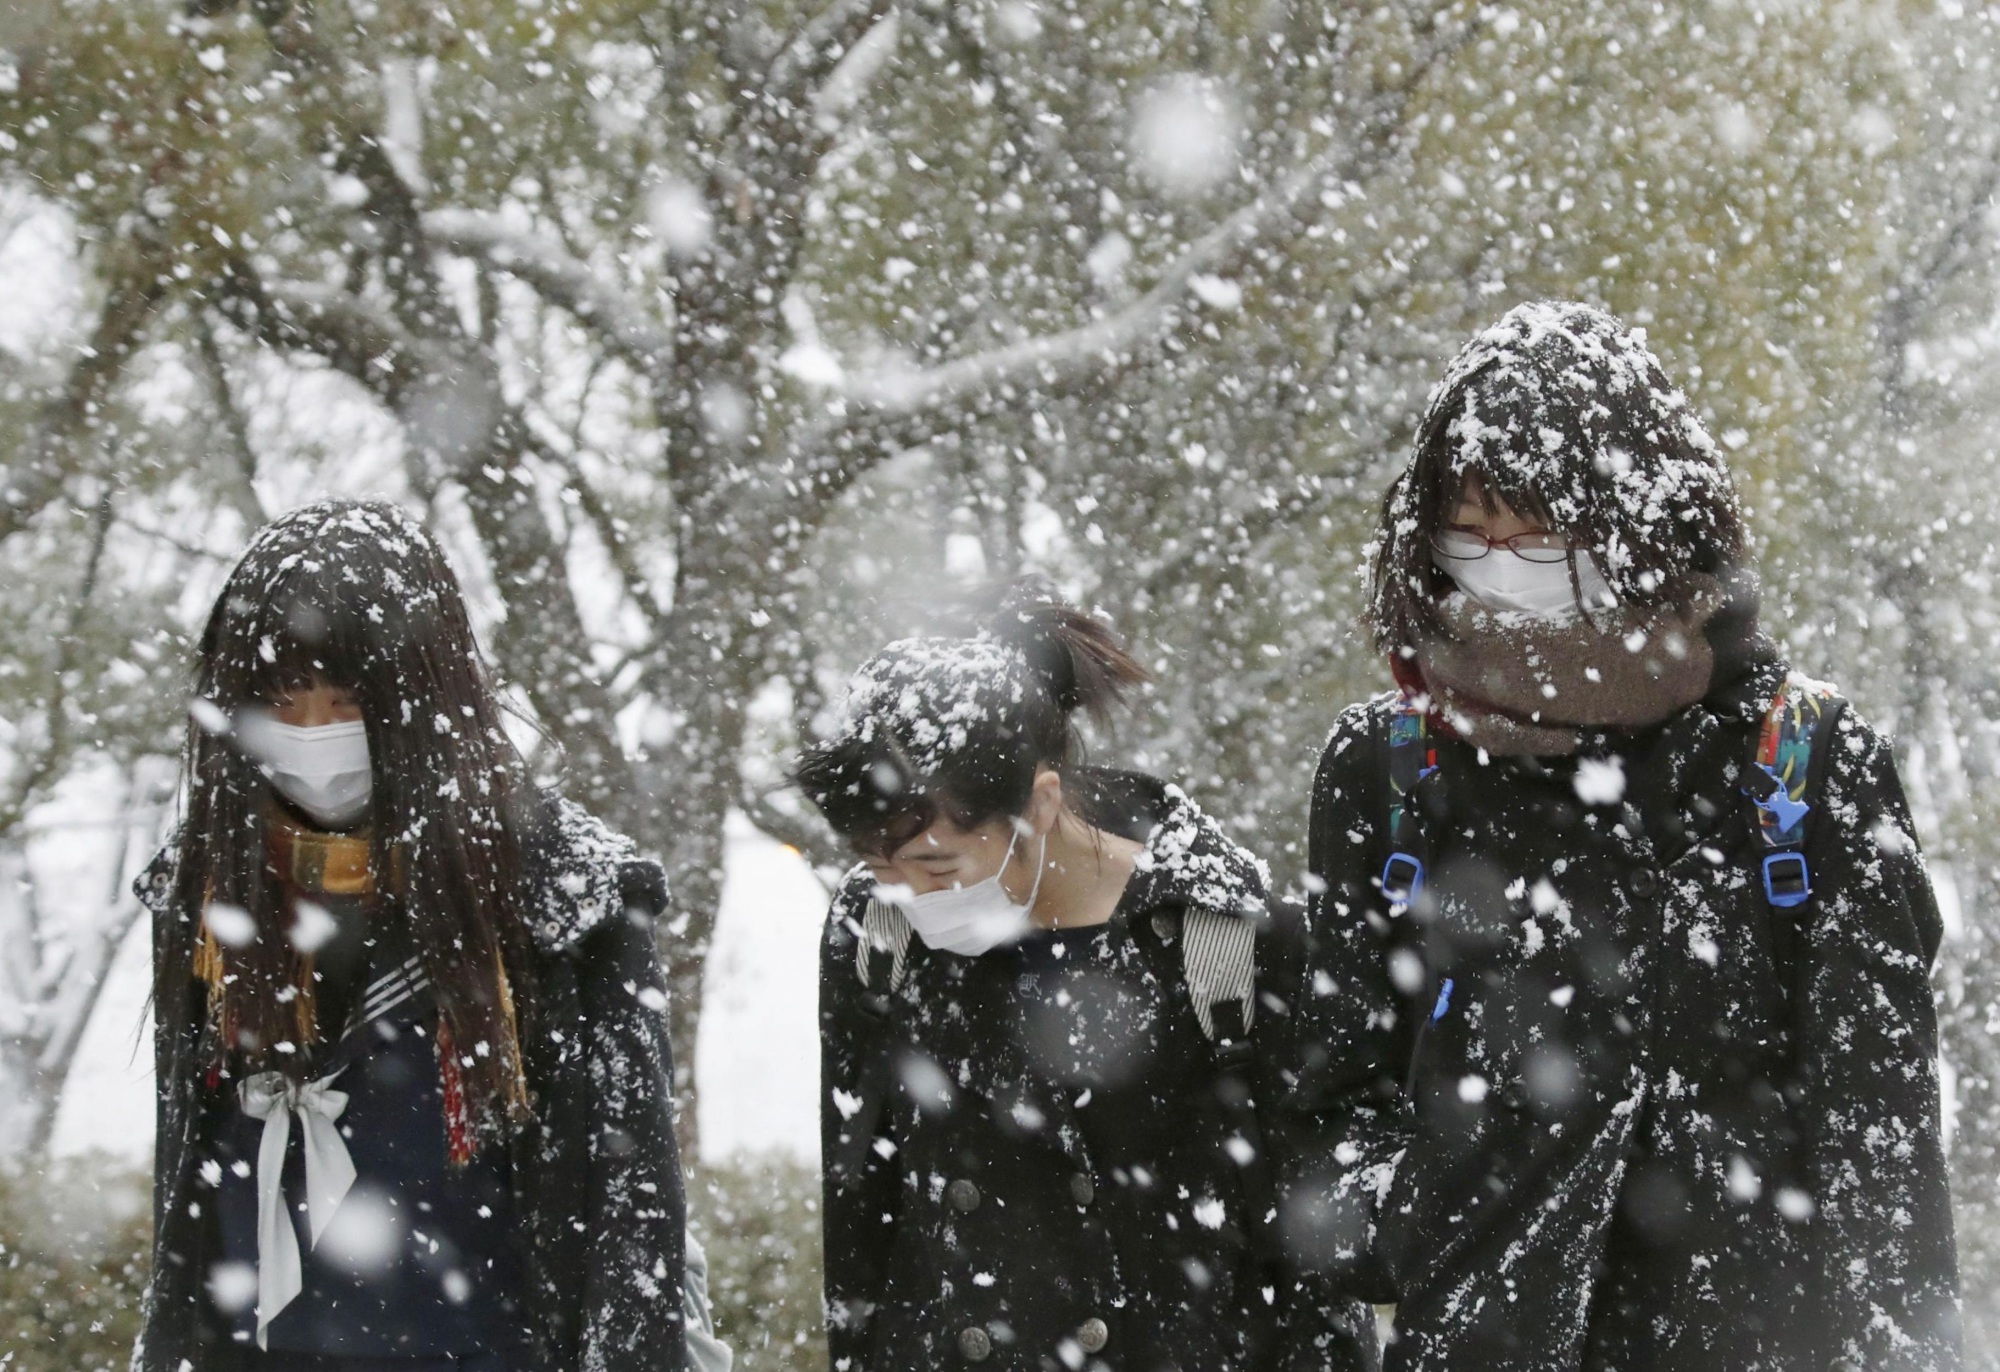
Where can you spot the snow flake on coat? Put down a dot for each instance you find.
(1028, 1157)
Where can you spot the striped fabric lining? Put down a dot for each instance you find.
(884, 929)
(1219, 958)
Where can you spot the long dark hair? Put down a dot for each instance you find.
(359, 596)
(958, 726)
(1568, 417)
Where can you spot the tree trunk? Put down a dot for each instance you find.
(698, 777)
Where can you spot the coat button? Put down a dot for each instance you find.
(963, 1195)
(1080, 1189)
(1093, 1334)
(1644, 883)
(974, 1344)
(1163, 924)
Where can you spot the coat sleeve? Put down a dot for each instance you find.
(859, 1200)
(637, 1217)
(1323, 1325)
(167, 1309)
(1341, 1118)
(1869, 1045)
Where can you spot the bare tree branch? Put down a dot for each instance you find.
(35, 476)
(558, 277)
(609, 529)
(819, 46)
(812, 839)
(55, 749)
(241, 483)
(1053, 360)
(366, 342)
(1951, 254)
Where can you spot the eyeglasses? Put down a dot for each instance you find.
(1462, 545)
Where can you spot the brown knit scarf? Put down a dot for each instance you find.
(1519, 686)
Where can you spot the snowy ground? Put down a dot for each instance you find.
(758, 1059)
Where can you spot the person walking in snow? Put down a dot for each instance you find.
(414, 1090)
(1620, 927)
(1051, 995)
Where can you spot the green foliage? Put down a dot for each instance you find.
(759, 1220)
(73, 1264)
(1750, 182)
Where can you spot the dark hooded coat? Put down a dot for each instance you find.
(1658, 1123)
(1049, 1182)
(596, 1182)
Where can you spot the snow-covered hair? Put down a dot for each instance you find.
(359, 596)
(958, 726)
(1567, 416)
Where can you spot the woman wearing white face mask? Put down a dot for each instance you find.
(1622, 924)
(1052, 998)
(395, 996)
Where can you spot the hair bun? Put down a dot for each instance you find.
(1076, 655)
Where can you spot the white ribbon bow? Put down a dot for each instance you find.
(268, 1096)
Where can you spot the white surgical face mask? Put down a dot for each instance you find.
(322, 768)
(975, 919)
(1504, 580)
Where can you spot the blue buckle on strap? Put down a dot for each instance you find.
(1787, 879)
(1786, 812)
(1402, 878)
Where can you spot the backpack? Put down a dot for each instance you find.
(1789, 763)
(1218, 960)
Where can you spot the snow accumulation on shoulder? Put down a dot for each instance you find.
(1190, 853)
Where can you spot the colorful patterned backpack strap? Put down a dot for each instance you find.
(1412, 757)
(1801, 713)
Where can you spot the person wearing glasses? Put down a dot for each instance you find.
(1620, 934)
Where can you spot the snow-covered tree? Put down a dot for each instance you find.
(720, 338)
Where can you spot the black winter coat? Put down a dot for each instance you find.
(596, 1175)
(1660, 1124)
(1048, 1183)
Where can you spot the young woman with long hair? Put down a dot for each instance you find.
(1621, 923)
(413, 1073)
(1052, 997)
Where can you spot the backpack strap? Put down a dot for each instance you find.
(1219, 963)
(884, 929)
(1412, 757)
(1219, 960)
(1785, 769)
